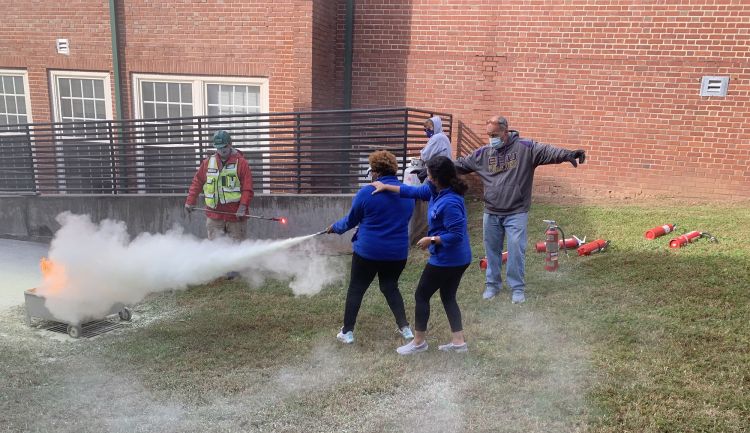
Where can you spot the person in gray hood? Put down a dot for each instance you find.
(506, 167)
(437, 142)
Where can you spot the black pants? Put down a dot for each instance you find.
(363, 272)
(445, 279)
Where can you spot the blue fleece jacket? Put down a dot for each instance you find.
(383, 220)
(446, 217)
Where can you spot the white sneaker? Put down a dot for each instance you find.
(406, 333)
(410, 348)
(346, 338)
(450, 347)
(518, 298)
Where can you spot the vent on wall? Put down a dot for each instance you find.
(63, 47)
(714, 86)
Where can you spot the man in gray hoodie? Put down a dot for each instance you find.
(506, 167)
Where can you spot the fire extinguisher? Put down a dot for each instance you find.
(681, 241)
(552, 245)
(483, 260)
(660, 231)
(574, 242)
(592, 247)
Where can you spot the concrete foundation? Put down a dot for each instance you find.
(33, 217)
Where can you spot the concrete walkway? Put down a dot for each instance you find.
(19, 269)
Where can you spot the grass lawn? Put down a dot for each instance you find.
(639, 338)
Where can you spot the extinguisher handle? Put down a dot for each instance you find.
(709, 236)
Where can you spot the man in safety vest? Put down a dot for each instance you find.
(227, 185)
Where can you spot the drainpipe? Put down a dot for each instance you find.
(346, 144)
(348, 49)
(115, 58)
(120, 180)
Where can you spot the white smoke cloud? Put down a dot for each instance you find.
(103, 267)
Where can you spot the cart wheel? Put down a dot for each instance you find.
(125, 315)
(74, 331)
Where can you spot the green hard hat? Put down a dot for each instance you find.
(222, 139)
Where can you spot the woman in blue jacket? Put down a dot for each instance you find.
(450, 253)
(381, 244)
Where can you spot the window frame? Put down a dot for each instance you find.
(24, 74)
(60, 151)
(200, 100)
(200, 89)
(55, 91)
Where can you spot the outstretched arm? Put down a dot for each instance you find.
(546, 154)
(380, 186)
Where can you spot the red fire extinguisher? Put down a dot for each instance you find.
(483, 260)
(660, 231)
(574, 242)
(592, 247)
(552, 245)
(681, 241)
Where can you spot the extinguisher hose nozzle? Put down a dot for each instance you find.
(565, 247)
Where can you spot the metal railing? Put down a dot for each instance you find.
(296, 152)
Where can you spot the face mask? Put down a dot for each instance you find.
(496, 142)
(224, 152)
(429, 133)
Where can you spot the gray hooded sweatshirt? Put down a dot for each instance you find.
(508, 172)
(438, 144)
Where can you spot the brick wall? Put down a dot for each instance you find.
(244, 38)
(325, 92)
(618, 79)
(27, 41)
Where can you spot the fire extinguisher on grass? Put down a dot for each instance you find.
(681, 241)
(483, 260)
(660, 231)
(552, 245)
(570, 243)
(592, 247)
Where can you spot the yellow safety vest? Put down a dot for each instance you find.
(222, 186)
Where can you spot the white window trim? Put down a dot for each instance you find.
(199, 83)
(54, 75)
(200, 107)
(27, 94)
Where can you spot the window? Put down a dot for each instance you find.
(232, 99)
(15, 144)
(81, 100)
(14, 105)
(165, 96)
(168, 163)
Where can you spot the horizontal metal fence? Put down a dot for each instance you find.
(296, 152)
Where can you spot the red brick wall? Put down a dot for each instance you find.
(325, 93)
(27, 41)
(245, 38)
(618, 79)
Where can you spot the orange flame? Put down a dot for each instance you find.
(54, 276)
